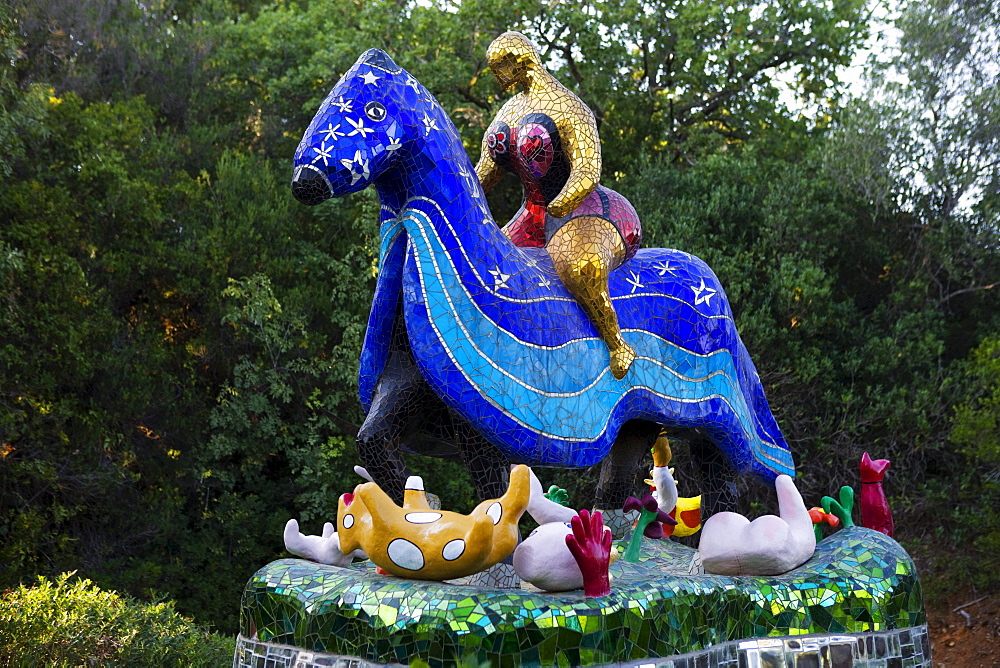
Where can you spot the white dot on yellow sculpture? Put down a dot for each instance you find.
(405, 554)
(495, 512)
(453, 549)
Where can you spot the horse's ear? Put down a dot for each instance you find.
(380, 59)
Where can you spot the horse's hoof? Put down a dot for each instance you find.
(621, 361)
(619, 521)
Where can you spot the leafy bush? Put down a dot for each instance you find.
(977, 433)
(72, 622)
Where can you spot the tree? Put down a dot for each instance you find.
(691, 77)
(926, 140)
(976, 432)
(22, 109)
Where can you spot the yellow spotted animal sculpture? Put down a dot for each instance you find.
(418, 542)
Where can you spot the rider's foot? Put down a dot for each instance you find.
(621, 359)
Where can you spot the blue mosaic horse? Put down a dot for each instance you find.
(475, 344)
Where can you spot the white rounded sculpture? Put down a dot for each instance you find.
(733, 545)
(544, 510)
(544, 560)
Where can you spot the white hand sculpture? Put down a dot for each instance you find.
(325, 549)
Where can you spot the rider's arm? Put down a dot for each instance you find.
(578, 131)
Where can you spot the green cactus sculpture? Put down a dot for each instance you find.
(843, 508)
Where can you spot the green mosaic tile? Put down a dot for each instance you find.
(858, 581)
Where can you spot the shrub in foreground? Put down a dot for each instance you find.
(71, 622)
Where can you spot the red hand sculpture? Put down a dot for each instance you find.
(590, 545)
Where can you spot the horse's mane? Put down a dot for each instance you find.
(445, 133)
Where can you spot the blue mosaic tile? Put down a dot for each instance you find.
(493, 331)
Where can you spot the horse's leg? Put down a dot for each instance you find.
(718, 478)
(399, 401)
(621, 474)
(378, 439)
(489, 468)
(490, 471)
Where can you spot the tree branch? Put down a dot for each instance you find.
(715, 100)
(963, 291)
(466, 93)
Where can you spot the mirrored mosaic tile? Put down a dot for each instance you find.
(859, 581)
(909, 648)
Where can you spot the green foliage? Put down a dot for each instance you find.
(925, 140)
(22, 111)
(976, 431)
(277, 404)
(825, 326)
(65, 349)
(117, 343)
(69, 622)
(691, 77)
(977, 422)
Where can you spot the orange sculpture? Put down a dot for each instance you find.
(415, 541)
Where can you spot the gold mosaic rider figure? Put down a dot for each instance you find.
(548, 137)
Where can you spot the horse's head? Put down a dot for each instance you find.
(358, 131)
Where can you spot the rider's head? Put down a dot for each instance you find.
(513, 58)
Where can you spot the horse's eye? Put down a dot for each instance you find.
(375, 111)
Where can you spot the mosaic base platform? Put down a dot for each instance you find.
(858, 582)
(908, 648)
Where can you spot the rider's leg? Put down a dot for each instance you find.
(584, 251)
